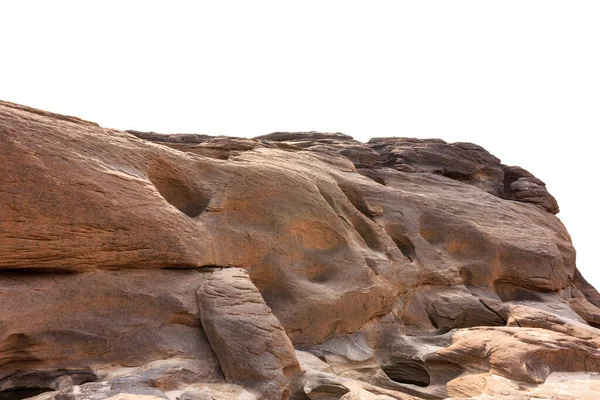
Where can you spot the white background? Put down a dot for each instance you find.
(521, 78)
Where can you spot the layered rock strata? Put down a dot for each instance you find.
(298, 265)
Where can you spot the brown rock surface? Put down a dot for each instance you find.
(137, 265)
(250, 343)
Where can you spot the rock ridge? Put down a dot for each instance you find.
(465, 162)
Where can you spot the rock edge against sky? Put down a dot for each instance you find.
(298, 265)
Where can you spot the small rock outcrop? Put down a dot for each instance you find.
(294, 265)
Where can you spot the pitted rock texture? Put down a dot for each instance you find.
(299, 265)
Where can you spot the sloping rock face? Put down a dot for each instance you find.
(298, 265)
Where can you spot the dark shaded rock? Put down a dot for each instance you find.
(520, 185)
(306, 137)
(464, 162)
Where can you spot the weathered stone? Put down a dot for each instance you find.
(136, 265)
(60, 329)
(247, 338)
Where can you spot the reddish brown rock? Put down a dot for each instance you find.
(399, 268)
(250, 343)
(60, 329)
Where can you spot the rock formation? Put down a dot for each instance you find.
(297, 265)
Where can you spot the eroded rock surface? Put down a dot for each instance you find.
(250, 343)
(143, 266)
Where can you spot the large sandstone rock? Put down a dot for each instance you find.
(249, 341)
(141, 266)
